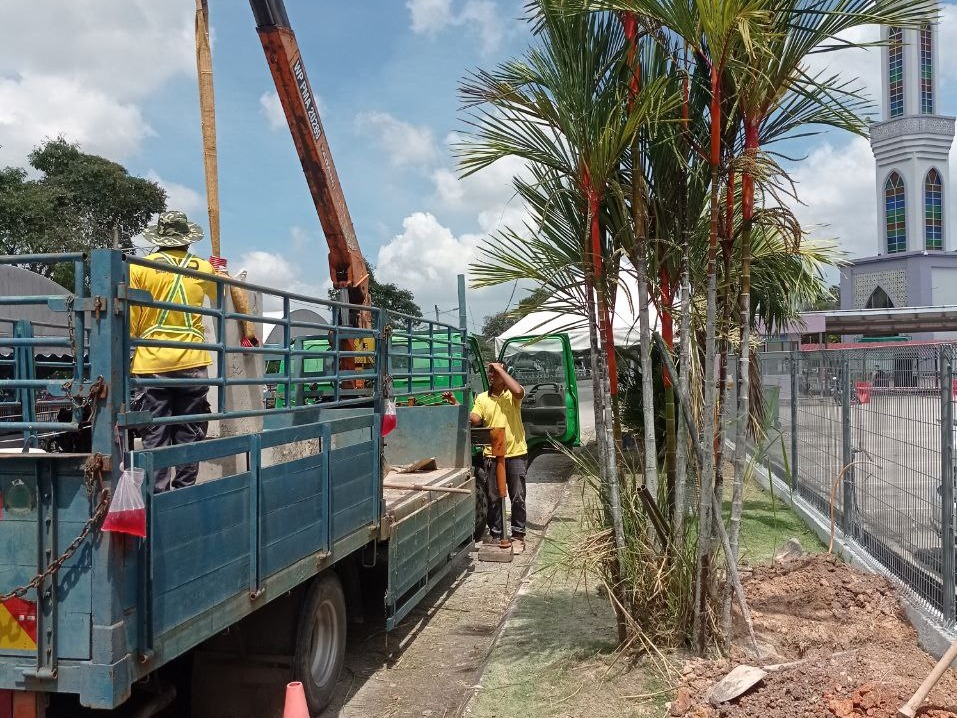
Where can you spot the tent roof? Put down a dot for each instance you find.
(272, 333)
(624, 322)
(18, 282)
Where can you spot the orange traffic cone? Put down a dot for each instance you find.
(295, 702)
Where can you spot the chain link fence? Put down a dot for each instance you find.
(866, 436)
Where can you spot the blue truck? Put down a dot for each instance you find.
(307, 521)
(310, 519)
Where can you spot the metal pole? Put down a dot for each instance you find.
(847, 517)
(794, 420)
(947, 486)
(436, 312)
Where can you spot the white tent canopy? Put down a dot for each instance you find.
(624, 322)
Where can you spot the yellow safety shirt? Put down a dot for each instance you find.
(501, 411)
(168, 324)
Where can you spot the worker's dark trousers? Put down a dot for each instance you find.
(515, 470)
(161, 401)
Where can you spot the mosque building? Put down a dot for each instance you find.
(914, 263)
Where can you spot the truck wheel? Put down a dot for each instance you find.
(321, 640)
(481, 504)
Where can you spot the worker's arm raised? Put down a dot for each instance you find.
(518, 391)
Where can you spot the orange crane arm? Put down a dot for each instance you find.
(346, 264)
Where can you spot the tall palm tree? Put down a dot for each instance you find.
(565, 112)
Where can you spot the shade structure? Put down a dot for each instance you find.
(624, 322)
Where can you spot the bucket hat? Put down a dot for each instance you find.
(172, 229)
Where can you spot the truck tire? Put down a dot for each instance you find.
(481, 503)
(321, 640)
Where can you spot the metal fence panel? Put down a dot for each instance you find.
(866, 436)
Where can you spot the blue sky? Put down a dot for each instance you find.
(118, 76)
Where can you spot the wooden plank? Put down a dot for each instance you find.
(347, 521)
(191, 599)
(174, 500)
(186, 562)
(281, 489)
(286, 551)
(289, 519)
(174, 528)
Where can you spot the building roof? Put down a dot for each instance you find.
(888, 322)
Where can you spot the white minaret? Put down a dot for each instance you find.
(911, 146)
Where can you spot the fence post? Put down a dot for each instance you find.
(847, 453)
(947, 484)
(793, 478)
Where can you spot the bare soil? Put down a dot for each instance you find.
(862, 655)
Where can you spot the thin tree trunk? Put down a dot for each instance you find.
(727, 317)
(684, 366)
(640, 219)
(705, 518)
(681, 450)
(744, 367)
(668, 334)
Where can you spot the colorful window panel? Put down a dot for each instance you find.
(926, 71)
(933, 211)
(894, 207)
(895, 67)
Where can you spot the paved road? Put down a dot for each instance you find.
(586, 411)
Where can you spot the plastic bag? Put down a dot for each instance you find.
(388, 417)
(127, 512)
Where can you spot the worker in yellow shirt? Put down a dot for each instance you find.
(501, 407)
(172, 235)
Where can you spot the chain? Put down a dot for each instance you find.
(93, 479)
(97, 390)
(70, 328)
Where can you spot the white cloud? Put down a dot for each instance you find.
(271, 269)
(836, 185)
(426, 258)
(128, 46)
(860, 65)
(490, 187)
(34, 108)
(483, 17)
(406, 144)
(271, 108)
(83, 73)
(182, 198)
(429, 16)
(946, 44)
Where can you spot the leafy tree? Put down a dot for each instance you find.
(501, 322)
(498, 323)
(78, 203)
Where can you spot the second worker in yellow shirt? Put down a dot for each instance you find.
(501, 407)
(172, 236)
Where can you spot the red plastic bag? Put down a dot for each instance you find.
(388, 417)
(127, 513)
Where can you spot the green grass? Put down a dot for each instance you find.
(556, 656)
(767, 523)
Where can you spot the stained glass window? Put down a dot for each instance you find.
(933, 211)
(926, 71)
(894, 214)
(895, 74)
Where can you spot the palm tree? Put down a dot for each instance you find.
(565, 112)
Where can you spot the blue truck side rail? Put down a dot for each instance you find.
(302, 493)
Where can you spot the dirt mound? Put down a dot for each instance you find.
(860, 656)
